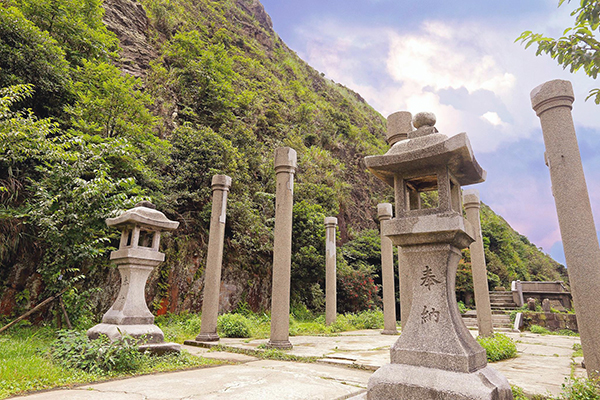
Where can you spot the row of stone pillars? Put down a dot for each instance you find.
(285, 166)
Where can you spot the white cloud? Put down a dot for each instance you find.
(437, 57)
(474, 77)
(492, 117)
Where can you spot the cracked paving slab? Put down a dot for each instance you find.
(255, 380)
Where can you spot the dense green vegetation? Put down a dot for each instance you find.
(80, 140)
(35, 359)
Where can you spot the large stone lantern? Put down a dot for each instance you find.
(136, 257)
(435, 357)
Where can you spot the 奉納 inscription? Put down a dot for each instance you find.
(428, 278)
(428, 315)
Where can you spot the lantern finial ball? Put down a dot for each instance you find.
(423, 119)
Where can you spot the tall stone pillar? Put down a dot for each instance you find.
(384, 213)
(285, 167)
(552, 102)
(330, 271)
(214, 259)
(480, 283)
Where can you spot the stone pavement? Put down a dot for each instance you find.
(345, 364)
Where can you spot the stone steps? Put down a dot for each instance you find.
(498, 321)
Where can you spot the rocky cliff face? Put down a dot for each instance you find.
(128, 20)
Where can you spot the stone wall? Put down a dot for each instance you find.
(551, 321)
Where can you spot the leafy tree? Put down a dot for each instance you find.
(29, 55)
(578, 47)
(75, 24)
(109, 104)
(308, 252)
(64, 191)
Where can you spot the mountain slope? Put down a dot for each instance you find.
(216, 92)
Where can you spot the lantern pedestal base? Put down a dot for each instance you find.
(150, 334)
(401, 381)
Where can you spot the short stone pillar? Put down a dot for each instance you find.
(330, 271)
(384, 212)
(404, 279)
(214, 260)
(552, 102)
(136, 257)
(480, 283)
(285, 167)
(435, 356)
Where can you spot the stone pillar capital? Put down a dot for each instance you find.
(384, 211)
(471, 198)
(398, 126)
(331, 222)
(552, 94)
(221, 182)
(285, 160)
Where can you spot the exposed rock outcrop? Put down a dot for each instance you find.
(128, 20)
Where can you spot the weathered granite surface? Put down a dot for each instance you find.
(214, 259)
(330, 271)
(435, 356)
(552, 102)
(285, 167)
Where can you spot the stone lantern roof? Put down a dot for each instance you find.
(425, 148)
(144, 215)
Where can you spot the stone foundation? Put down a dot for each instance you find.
(551, 321)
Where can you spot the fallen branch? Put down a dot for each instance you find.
(34, 309)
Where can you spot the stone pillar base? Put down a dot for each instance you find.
(151, 333)
(389, 332)
(279, 344)
(161, 348)
(207, 337)
(401, 381)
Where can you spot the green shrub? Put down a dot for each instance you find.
(539, 329)
(234, 326)
(498, 347)
(566, 332)
(301, 312)
(75, 350)
(461, 307)
(518, 393)
(369, 319)
(580, 389)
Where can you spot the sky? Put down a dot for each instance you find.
(459, 60)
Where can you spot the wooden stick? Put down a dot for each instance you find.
(34, 309)
(62, 305)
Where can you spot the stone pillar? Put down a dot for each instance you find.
(285, 167)
(330, 271)
(384, 212)
(404, 287)
(480, 283)
(214, 259)
(552, 102)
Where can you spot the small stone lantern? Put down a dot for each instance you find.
(435, 356)
(136, 257)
